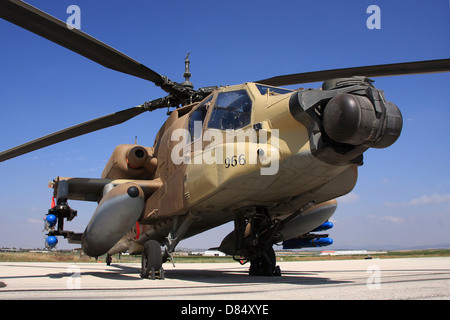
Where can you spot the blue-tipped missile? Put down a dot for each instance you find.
(50, 220)
(307, 243)
(51, 242)
(324, 226)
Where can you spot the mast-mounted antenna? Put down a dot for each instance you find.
(187, 73)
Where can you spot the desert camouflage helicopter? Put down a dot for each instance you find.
(272, 160)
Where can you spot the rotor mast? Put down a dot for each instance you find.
(187, 73)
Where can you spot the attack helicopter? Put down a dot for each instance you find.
(270, 159)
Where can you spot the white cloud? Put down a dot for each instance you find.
(435, 198)
(348, 198)
(391, 219)
(393, 205)
(34, 221)
(425, 199)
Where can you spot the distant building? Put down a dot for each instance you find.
(348, 252)
(214, 253)
(196, 253)
(208, 253)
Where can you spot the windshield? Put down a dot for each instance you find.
(232, 110)
(198, 115)
(272, 90)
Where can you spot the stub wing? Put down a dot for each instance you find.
(120, 204)
(92, 189)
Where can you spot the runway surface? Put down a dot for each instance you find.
(412, 278)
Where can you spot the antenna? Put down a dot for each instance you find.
(187, 73)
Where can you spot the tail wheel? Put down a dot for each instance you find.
(151, 260)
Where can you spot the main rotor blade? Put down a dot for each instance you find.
(74, 131)
(43, 24)
(394, 69)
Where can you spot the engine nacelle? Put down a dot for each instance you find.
(116, 213)
(346, 118)
(130, 161)
(353, 120)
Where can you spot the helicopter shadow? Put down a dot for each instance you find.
(229, 276)
(120, 272)
(242, 277)
(220, 276)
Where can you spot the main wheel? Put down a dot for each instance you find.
(151, 259)
(265, 265)
(108, 260)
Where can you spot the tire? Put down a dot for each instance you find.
(108, 260)
(151, 258)
(265, 265)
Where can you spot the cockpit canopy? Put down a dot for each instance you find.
(232, 110)
(229, 109)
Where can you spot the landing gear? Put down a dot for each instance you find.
(108, 259)
(151, 266)
(255, 233)
(265, 265)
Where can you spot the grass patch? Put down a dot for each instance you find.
(42, 257)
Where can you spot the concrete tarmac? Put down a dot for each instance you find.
(409, 278)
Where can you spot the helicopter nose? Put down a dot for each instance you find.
(352, 119)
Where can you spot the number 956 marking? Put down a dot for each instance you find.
(234, 161)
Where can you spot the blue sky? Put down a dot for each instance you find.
(402, 198)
